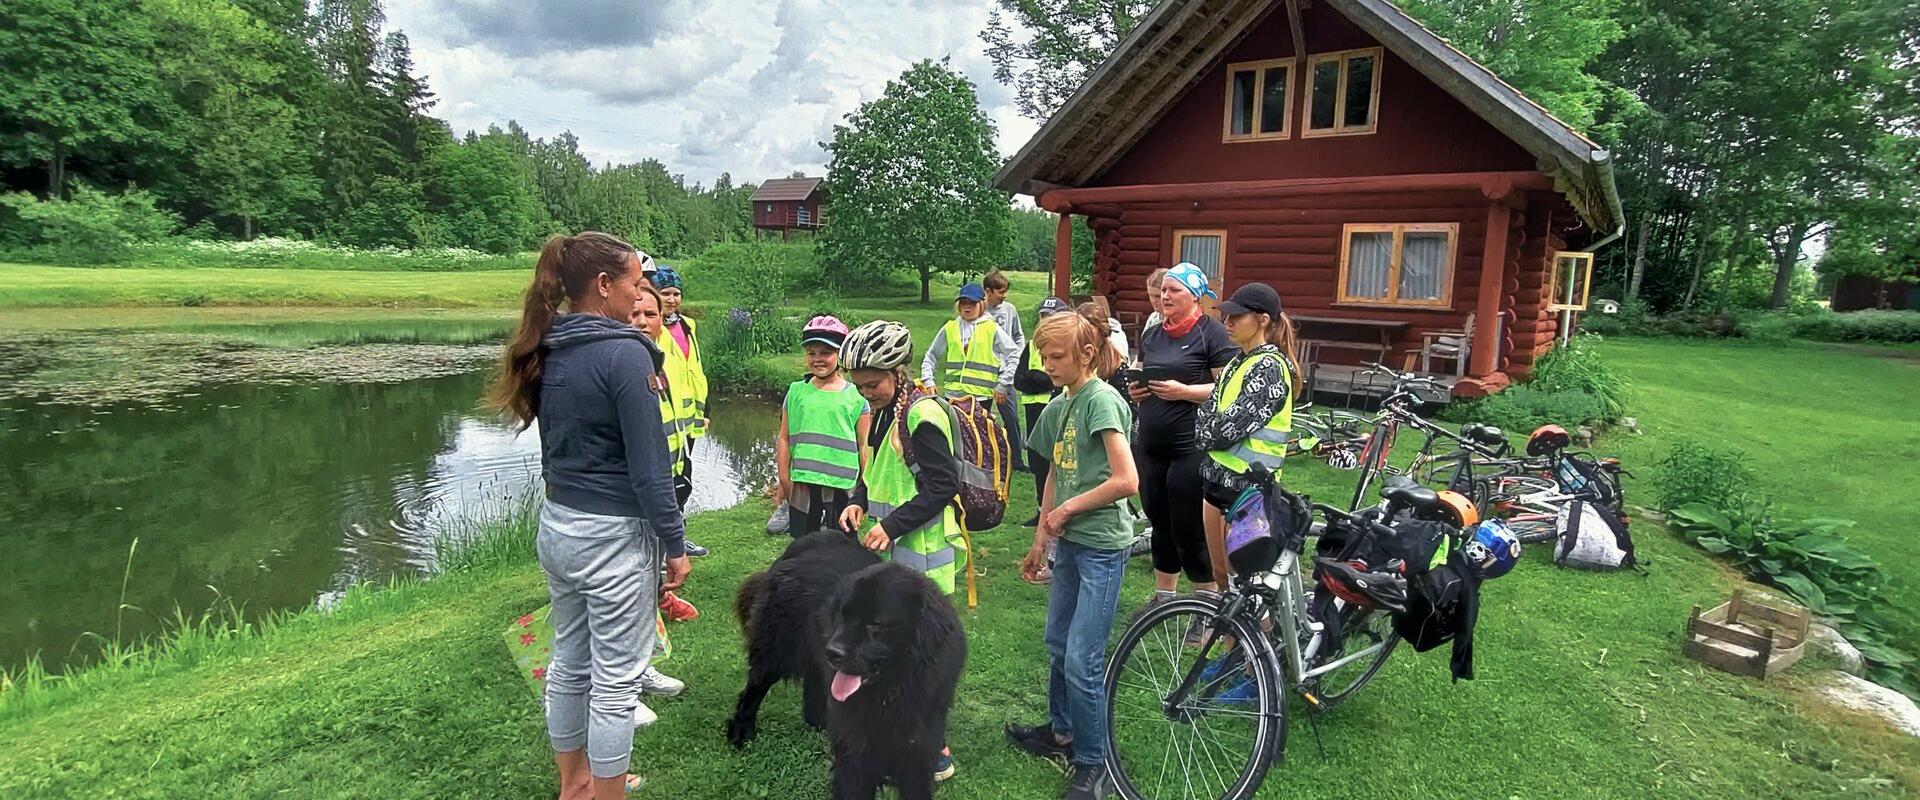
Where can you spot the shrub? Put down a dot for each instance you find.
(1808, 558)
(726, 270)
(93, 227)
(275, 253)
(1577, 366)
(1525, 407)
(1828, 326)
(1694, 473)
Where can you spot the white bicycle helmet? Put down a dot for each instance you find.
(880, 344)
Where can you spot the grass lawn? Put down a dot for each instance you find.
(408, 692)
(1830, 429)
(36, 285)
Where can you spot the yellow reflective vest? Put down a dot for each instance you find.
(1268, 445)
(687, 380)
(971, 367)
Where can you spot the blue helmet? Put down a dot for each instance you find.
(1493, 549)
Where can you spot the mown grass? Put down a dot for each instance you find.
(408, 692)
(37, 285)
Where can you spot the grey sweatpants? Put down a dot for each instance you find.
(603, 574)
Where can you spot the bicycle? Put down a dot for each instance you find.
(1207, 720)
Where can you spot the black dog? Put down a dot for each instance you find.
(878, 652)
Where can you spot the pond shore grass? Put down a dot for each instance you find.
(406, 691)
(30, 285)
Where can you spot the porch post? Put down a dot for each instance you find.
(1485, 359)
(1063, 257)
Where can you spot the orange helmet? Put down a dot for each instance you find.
(1547, 440)
(1456, 510)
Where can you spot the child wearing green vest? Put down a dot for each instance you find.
(910, 505)
(1085, 522)
(822, 423)
(971, 356)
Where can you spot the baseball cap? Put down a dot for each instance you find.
(972, 291)
(1257, 298)
(1053, 305)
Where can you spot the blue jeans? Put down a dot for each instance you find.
(1009, 410)
(1086, 588)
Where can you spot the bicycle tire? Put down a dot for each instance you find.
(1534, 531)
(1151, 659)
(1388, 640)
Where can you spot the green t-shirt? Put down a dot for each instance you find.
(1067, 436)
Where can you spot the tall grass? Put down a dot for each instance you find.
(225, 629)
(397, 331)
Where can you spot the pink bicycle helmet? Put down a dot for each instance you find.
(825, 329)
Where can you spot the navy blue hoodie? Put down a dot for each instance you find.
(602, 446)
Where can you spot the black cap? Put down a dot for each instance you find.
(1258, 298)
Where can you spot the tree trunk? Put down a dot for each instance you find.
(1784, 260)
(926, 284)
(57, 172)
(1639, 267)
(1726, 277)
(246, 227)
(1699, 265)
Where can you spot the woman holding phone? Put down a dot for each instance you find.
(1179, 361)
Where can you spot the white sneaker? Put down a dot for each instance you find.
(655, 682)
(642, 715)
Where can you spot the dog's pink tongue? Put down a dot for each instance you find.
(845, 685)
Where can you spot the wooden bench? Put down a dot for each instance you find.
(1374, 341)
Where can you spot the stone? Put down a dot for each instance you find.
(1632, 425)
(1584, 435)
(1825, 640)
(1859, 694)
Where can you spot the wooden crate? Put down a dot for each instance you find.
(1745, 637)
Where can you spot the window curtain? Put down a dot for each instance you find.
(1369, 257)
(1202, 252)
(1423, 266)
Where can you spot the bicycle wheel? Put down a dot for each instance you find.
(1534, 528)
(1366, 638)
(1187, 722)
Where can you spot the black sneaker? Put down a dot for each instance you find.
(1033, 521)
(1038, 740)
(1088, 783)
(695, 550)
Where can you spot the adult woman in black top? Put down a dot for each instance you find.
(1186, 352)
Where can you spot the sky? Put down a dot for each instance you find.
(749, 87)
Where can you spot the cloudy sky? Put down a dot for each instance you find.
(742, 86)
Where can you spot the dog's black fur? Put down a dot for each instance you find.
(830, 606)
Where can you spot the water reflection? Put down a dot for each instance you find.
(273, 496)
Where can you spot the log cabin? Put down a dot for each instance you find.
(1402, 199)
(789, 204)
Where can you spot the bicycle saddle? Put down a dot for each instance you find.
(1484, 434)
(1406, 493)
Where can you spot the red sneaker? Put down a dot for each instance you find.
(678, 610)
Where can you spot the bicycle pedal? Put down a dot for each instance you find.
(1312, 699)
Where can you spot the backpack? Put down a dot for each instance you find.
(983, 451)
(1589, 536)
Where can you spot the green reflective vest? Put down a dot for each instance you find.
(1033, 362)
(937, 549)
(823, 445)
(1268, 445)
(970, 367)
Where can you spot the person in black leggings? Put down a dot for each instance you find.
(1187, 351)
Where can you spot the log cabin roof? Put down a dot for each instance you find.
(783, 189)
(1174, 45)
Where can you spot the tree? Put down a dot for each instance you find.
(1541, 47)
(404, 103)
(392, 214)
(911, 177)
(481, 191)
(354, 148)
(76, 81)
(1058, 44)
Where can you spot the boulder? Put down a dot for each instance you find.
(1824, 639)
(1858, 694)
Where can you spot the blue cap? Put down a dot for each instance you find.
(972, 291)
(1193, 279)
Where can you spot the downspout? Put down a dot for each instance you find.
(1602, 165)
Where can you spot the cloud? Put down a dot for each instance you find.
(522, 27)
(748, 87)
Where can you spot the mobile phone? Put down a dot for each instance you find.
(1157, 373)
(1136, 377)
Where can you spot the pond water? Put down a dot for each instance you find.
(273, 496)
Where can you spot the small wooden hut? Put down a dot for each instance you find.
(789, 204)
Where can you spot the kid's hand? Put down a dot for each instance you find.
(877, 539)
(999, 397)
(1033, 562)
(781, 491)
(851, 518)
(1055, 521)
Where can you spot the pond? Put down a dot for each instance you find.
(275, 495)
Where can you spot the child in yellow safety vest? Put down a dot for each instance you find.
(971, 356)
(908, 507)
(687, 377)
(1249, 417)
(822, 423)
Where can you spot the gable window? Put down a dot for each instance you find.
(1258, 101)
(1343, 92)
(1400, 265)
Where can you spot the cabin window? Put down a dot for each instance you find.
(1401, 265)
(1572, 277)
(769, 208)
(1258, 103)
(1203, 249)
(1344, 92)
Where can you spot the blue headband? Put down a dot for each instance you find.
(1193, 279)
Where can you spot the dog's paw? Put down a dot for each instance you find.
(739, 732)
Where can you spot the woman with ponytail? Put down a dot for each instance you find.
(609, 518)
(1249, 416)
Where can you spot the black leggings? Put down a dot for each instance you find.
(1039, 464)
(683, 482)
(823, 506)
(1172, 491)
